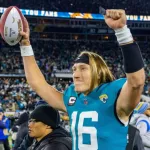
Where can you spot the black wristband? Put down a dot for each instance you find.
(132, 57)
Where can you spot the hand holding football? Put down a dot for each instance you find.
(11, 23)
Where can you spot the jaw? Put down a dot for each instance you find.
(79, 88)
(31, 134)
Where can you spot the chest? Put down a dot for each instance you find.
(99, 103)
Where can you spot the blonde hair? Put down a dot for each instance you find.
(99, 69)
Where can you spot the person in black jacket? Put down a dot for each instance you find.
(44, 127)
(22, 122)
(135, 140)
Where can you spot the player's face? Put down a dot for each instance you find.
(81, 77)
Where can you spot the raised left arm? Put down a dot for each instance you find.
(130, 93)
(133, 63)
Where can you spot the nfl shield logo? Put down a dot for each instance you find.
(85, 102)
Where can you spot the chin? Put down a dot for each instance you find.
(78, 89)
(31, 135)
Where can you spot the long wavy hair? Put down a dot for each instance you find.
(99, 69)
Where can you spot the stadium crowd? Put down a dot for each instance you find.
(59, 55)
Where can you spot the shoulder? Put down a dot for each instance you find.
(118, 82)
(59, 143)
(113, 86)
(56, 145)
(63, 140)
(70, 91)
(64, 143)
(143, 118)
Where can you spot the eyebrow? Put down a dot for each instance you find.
(82, 65)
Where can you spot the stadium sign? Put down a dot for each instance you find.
(78, 15)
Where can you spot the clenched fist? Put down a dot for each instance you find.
(115, 18)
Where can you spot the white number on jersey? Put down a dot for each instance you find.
(84, 129)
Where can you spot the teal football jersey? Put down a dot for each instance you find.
(94, 124)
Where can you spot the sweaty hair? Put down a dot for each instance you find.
(99, 69)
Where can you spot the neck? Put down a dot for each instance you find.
(90, 90)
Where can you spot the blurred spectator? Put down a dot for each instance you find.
(22, 122)
(143, 124)
(26, 143)
(65, 121)
(40, 102)
(4, 130)
(20, 96)
(141, 119)
(1, 146)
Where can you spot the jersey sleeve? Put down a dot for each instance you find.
(69, 92)
(117, 85)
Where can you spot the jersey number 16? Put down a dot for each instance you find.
(92, 131)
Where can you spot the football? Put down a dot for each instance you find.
(11, 23)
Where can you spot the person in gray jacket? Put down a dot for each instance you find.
(143, 124)
(141, 120)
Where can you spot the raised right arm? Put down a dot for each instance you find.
(34, 76)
